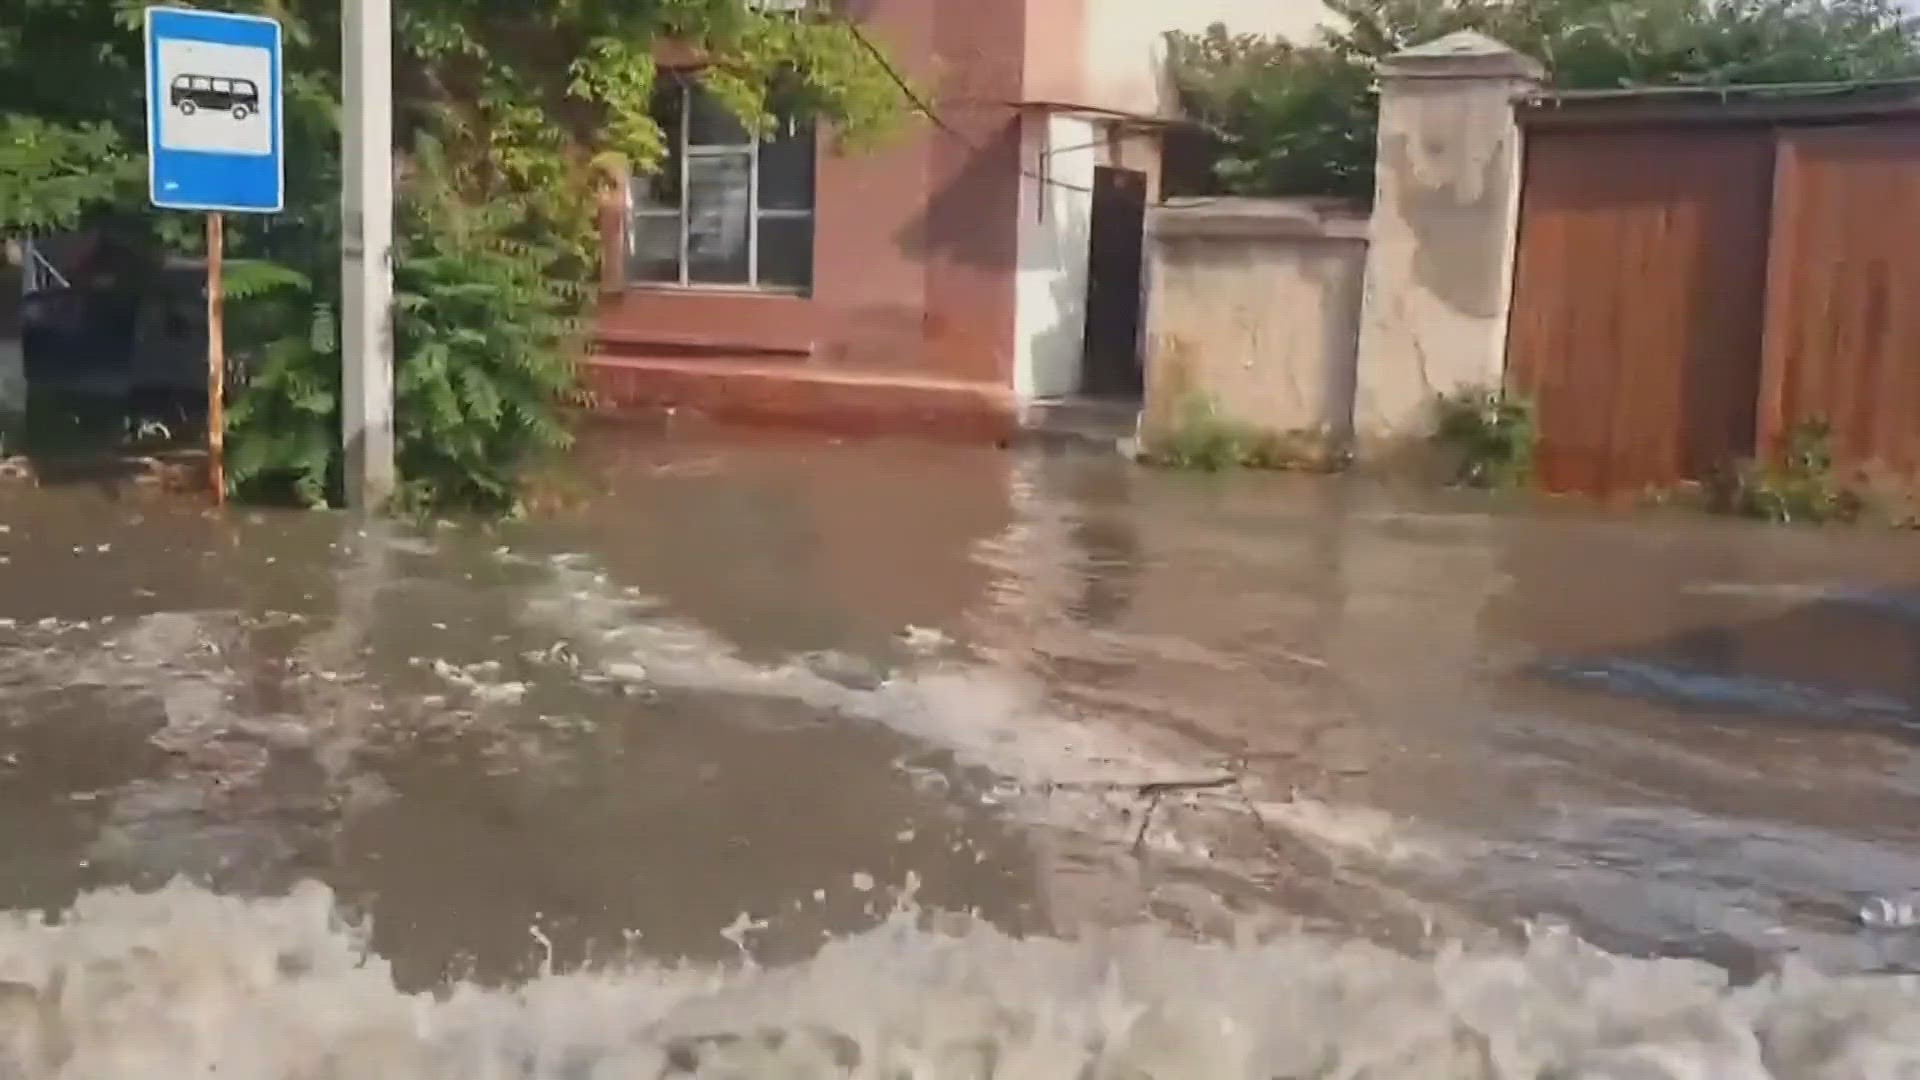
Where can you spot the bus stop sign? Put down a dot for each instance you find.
(213, 112)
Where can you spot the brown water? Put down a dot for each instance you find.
(745, 696)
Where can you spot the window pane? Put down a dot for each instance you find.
(718, 189)
(710, 124)
(654, 248)
(658, 191)
(669, 99)
(786, 253)
(786, 168)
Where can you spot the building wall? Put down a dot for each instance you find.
(915, 243)
(955, 257)
(1254, 310)
(1102, 57)
(1056, 214)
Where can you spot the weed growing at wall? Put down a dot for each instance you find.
(1202, 440)
(1490, 433)
(1799, 485)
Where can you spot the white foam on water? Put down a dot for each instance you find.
(1052, 766)
(182, 982)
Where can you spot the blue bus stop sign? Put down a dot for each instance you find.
(213, 112)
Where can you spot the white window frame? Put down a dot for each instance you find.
(687, 151)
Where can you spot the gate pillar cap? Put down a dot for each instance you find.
(1463, 54)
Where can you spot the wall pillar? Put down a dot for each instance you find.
(1446, 207)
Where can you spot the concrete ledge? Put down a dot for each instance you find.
(693, 343)
(1250, 219)
(797, 395)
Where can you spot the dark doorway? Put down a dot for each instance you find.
(1111, 366)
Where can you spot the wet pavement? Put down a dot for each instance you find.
(733, 697)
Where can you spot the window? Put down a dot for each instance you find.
(726, 209)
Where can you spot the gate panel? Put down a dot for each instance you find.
(1843, 313)
(1638, 300)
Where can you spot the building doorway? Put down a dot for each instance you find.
(1110, 365)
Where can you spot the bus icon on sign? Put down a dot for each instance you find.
(191, 93)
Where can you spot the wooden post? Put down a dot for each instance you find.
(216, 362)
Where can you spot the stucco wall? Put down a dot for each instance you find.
(1445, 212)
(1254, 309)
(1056, 211)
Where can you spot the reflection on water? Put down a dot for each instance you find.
(750, 690)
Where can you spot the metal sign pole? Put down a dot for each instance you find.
(215, 144)
(216, 360)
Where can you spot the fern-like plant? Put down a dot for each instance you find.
(484, 335)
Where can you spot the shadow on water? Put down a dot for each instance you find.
(1852, 656)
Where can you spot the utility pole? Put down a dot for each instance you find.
(366, 252)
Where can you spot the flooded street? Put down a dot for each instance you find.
(770, 757)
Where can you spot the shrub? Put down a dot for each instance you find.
(1491, 432)
(1283, 120)
(1203, 440)
(483, 345)
(1798, 485)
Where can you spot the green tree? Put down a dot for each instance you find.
(1301, 120)
(63, 154)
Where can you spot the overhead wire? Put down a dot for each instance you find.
(933, 115)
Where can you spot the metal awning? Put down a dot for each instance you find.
(1124, 118)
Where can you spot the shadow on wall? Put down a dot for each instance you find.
(1343, 286)
(965, 219)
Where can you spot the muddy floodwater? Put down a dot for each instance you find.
(770, 757)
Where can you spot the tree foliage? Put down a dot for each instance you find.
(1301, 119)
(509, 118)
(50, 173)
(482, 334)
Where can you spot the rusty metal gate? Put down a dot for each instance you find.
(1843, 294)
(1687, 289)
(1638, 297)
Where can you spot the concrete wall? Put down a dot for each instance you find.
(1254, 308)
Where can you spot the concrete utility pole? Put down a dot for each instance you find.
(366, 252)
